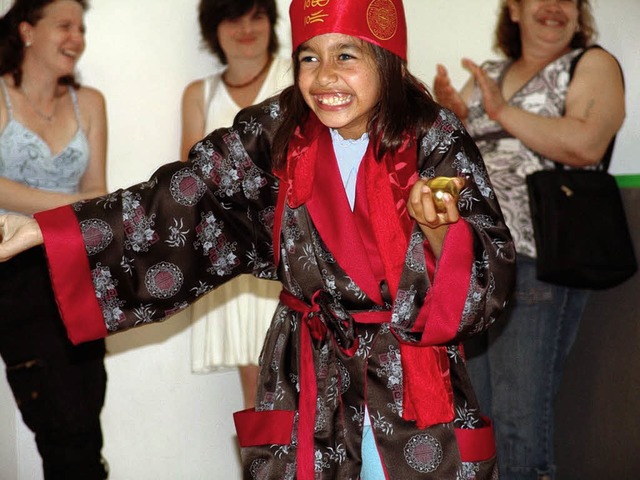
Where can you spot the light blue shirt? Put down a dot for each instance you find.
(349, 154)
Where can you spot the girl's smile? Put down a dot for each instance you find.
(333, 100)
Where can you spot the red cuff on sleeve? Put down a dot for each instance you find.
(441, 313)
(71, 275)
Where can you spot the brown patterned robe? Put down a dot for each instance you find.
(340, 335)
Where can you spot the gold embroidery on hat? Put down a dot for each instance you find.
(316, 3)
(382, 18)
(318, 16)
(315, 17)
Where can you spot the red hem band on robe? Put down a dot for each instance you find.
(478, 444)
(71, 275)
(268, 427)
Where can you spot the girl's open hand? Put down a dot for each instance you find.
(17, 234)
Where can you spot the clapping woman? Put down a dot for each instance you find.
(550, 99)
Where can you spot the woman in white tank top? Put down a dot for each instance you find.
(229, 324)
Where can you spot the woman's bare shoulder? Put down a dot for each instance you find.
(90, 96)
(596, 61)
(194, 89)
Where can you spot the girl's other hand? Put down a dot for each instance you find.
(433, 222)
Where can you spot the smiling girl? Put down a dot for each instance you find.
(324, 188)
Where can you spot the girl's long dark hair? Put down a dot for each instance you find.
(405, 107)
(11, 44)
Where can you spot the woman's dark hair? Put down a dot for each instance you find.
(507, 34)
(405, 106)
(212, 12)
(11, 45)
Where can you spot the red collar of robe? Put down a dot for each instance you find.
(387, 188)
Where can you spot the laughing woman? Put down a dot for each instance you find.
(52, 152)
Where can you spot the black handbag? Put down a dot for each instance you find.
(580, 227)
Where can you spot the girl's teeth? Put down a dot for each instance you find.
(335, 100)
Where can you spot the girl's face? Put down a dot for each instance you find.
(339, 81)
(548, 23)
(246, 36)
(57, 39)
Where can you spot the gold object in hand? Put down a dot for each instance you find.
(441, 185)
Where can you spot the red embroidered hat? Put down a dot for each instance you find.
(380, 22)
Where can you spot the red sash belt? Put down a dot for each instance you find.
(428, 397)
(308, 388)
(312, 328)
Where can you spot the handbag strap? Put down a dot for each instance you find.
(606, 159)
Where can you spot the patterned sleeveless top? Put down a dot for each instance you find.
(507, 159)
(26, 158)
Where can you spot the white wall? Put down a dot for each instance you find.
(618, 22)
(160, 421)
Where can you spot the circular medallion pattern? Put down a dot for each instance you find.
(187, 188)
(163, 280)
(423, 453)
(96, 234)
(382, 18)
(259, 469)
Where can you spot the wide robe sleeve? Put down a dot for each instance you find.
(471, 282)
(143, 253)
(441, 302)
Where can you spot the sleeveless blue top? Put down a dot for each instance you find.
(26, 158)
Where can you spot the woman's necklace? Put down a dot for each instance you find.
(251, 80)
(47, 118)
